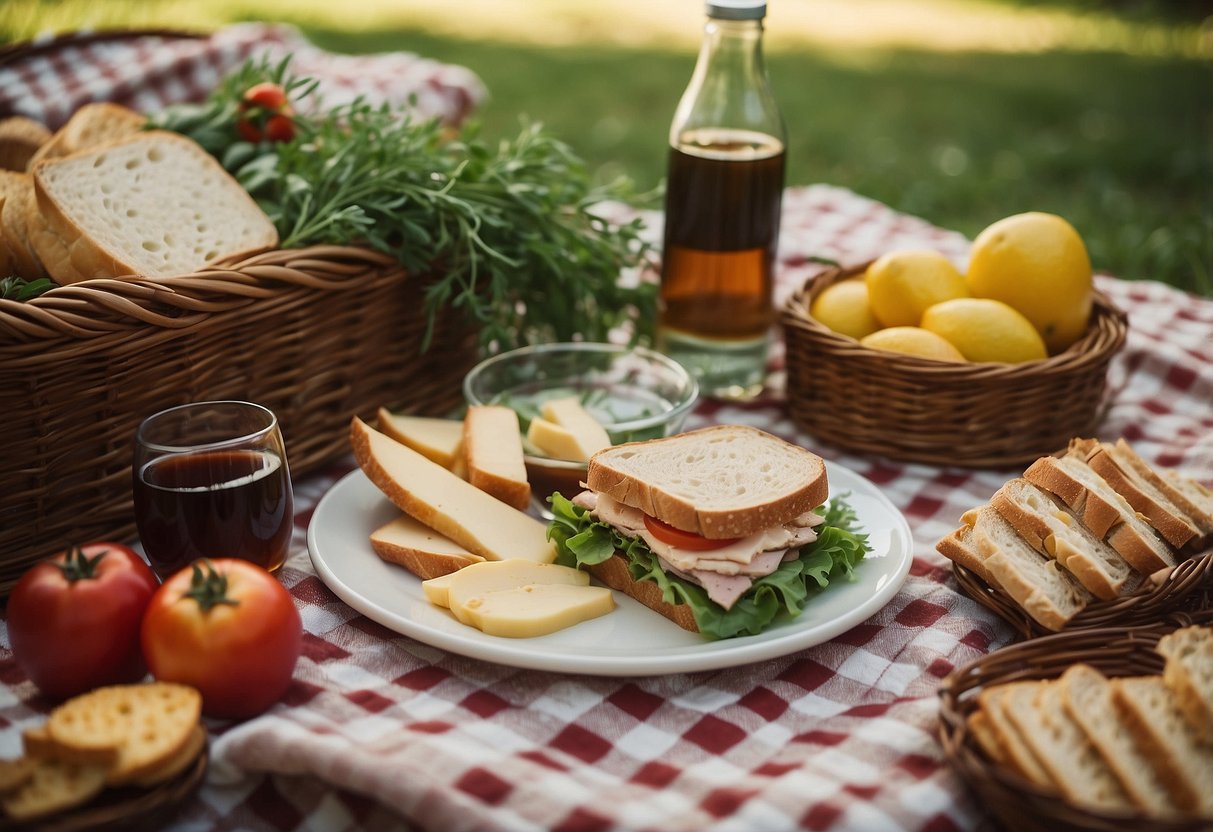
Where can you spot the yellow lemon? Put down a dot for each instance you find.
(985, 330)
(843, 307)
(902, 284)
(1036, 263)
(913, 340)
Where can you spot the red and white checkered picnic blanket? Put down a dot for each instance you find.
(380, 731)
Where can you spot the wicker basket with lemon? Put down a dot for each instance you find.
(911, 358)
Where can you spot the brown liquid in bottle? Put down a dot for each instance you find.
(722, 226)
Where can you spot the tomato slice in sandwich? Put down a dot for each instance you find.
(683, 540)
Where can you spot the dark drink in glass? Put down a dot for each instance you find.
(211, 481)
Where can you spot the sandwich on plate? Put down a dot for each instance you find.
(724, 530)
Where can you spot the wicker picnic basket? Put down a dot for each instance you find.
(918, 410)
(1015, 803)
(316, 334)
(1186, 588)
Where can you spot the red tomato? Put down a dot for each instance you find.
(683, 540)
(248, 131)
(229, 629)
(267, 95)
(279, 128)
(73, 620)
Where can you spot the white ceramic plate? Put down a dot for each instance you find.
(631, 641)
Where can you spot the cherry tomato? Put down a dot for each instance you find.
(279, 128)
(74, 620)
(248, 131)
(228, 628)
(267, 95)
(683, 540)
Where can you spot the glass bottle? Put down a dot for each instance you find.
(723, 192)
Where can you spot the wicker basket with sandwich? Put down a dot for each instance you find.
(1094, 537)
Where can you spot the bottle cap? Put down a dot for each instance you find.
(736, 9)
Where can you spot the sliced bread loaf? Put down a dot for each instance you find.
(1163, 735)
(718, 482)
(1087, 698)
(1104, 511)
(1189, 674)
(1049, 528)
(961, 547)
(999, 702)
(1041, 586)
(93, 124)
(156, 204)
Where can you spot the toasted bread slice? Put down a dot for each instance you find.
(20, 138)
(155, 204)
(92, 125)
(53, 786)
(1162, 733)
(1049, 528)
(1107, 513)
(1038, 583)
(718, 482)
(492, 445)
(419, 549)
(1189, 674)
(1087, 697)
(1111, 463)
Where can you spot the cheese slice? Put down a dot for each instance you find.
(489, 577)
(436, 439)
(450, 506)
(554, 441)
(537, 609)
(589, 436)
(419, 549)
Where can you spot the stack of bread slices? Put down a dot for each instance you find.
(1141, 744)
(104, 197)
(1094, 523)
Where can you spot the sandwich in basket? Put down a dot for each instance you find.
(723, 530)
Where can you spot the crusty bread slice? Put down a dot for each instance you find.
(1087, 697)
(998, 702)
(1105, 459)
(91, 125)
(421, 550)
(1073, 764)
(436, 439)
(1194, 499)
(961, 547)
(718, 482)
(425, 490)
(155, 204)
(53, 786)
(20, 138)
(1049, 528)
(1162, 733)
(492, 447)
(1038, 583)
(14, 226)
(983, 734)
(614, 572)
(1104, 511)
(1189, 674)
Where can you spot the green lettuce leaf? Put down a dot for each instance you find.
(581, 541)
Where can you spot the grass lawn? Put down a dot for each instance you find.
(1109, 124)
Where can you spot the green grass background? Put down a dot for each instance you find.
(1117, 140)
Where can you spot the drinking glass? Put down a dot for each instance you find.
(211, 480)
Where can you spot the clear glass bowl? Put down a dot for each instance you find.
(635, 393)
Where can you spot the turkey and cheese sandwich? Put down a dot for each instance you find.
(723, 530)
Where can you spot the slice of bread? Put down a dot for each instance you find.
(492, 447)
(1104, 511)
(718, 482)
(999, 702)
(419, 549)
(614, 573)
(1189, 674)
(1050, 529)
(436, 439)
(93, 124)
(53, 786)
(1073, 764)
(1163, 735)
(1194, 499)
(14, 226)
(156, 204)
(1038, 583)
(1087, 697)
(1111, 463)
(20, 138)
(961, 547)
